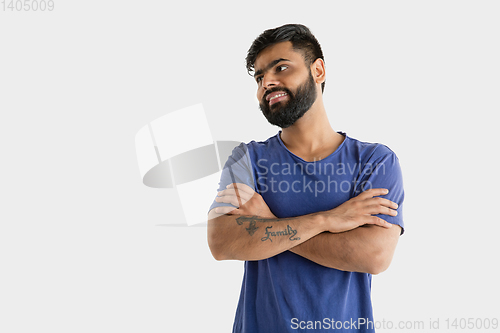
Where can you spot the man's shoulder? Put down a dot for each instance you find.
(254, 146)
(368, 150)
(248, 152)
(264, 144)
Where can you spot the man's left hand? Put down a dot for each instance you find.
(245, 198)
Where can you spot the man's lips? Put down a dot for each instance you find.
(276, 97)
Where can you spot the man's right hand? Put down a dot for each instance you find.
(359, 211)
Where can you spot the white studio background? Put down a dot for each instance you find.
(86, 247)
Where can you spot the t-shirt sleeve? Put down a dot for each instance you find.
(237, 169)
(385, 172)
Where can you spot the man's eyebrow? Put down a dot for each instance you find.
(268, 67)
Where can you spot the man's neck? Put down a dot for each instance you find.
(312, 137)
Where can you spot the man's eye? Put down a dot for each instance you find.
(258, 79)
(281, 68)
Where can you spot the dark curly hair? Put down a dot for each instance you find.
(302, 40)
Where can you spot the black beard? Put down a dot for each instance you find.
(285, 115)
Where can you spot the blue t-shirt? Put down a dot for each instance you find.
(289, 293)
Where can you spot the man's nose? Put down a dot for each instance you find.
(269, 81)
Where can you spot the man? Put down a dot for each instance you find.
(312, 212)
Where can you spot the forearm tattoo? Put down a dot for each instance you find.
(252, 227)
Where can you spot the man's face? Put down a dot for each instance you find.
(286, 88)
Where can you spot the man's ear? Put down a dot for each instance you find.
(318, 70)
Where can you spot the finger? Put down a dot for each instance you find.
(381, 202)
(233, 192)
(386, 203)
(236, 193)
(377, 209)
(241, 187)
(230, 199)
(373, 192)
(378, 221)
(226, 210)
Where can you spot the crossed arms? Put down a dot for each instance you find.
(347, 238)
